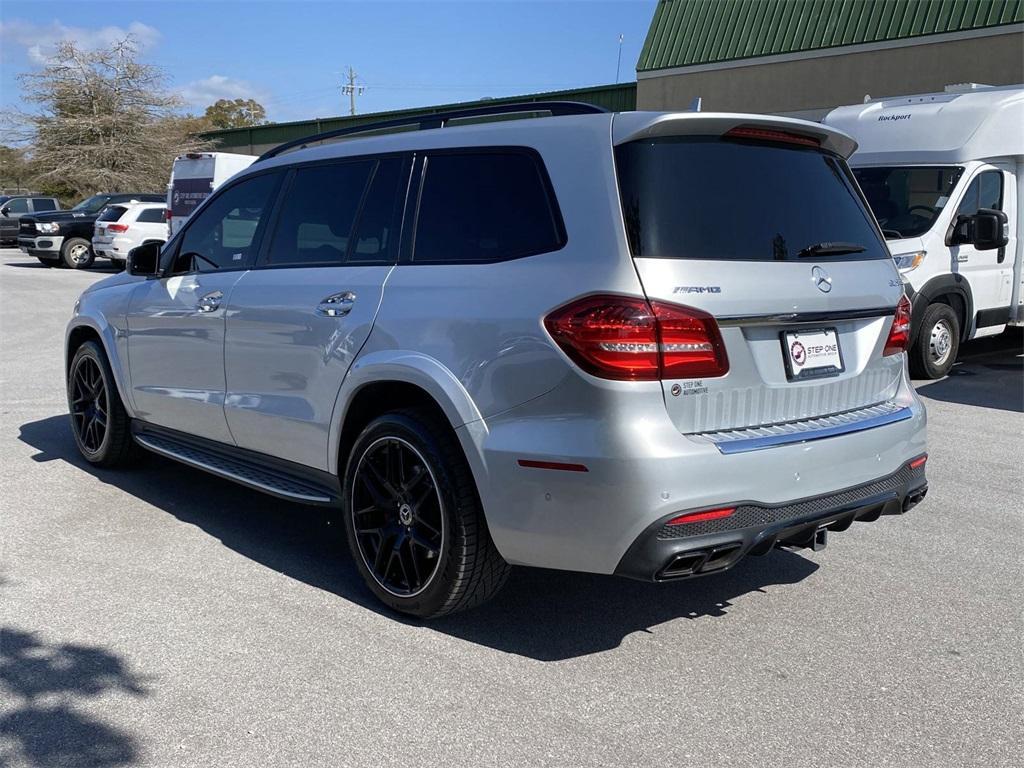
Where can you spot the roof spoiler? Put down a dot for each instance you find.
(441, 119)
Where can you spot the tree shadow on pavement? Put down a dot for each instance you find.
(541, 614)
(41, 684)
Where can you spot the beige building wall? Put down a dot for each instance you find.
(813, 85)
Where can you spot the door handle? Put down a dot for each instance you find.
(210, 301)
(336, 305)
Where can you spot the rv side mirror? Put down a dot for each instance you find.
(144, 260)
(991, 229)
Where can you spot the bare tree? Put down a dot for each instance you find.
(105, 122)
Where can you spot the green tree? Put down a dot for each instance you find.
(237, 113)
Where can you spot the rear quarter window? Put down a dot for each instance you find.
(485, 206)
(44, 204)
(151, 216)
(733, 200)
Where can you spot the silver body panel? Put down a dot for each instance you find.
(267, 373)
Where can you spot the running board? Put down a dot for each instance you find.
(248, 468)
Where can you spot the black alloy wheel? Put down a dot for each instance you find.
(397, 516)
(90, 404)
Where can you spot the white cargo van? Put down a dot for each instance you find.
(193, 177)
(944, 175)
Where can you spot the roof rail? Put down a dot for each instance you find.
(441, 119)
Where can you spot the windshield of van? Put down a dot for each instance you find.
(907, 201)
(735, 200)
(92, 204)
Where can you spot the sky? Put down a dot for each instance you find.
(291, 56)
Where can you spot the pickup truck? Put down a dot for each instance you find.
(65, 237)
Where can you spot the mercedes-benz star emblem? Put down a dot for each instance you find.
(822, 280)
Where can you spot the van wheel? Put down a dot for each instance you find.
(99, 421)
(77, 253)
(937, 344)
(413, 518)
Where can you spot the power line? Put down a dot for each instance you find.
(350, 89)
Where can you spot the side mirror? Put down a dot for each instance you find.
(5, 210)
(986, 230)
(991, 229)
(144, 260)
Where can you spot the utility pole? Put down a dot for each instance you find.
(352, 90)
(618, 61)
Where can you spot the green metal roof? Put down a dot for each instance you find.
(691, 32)
(616, 98)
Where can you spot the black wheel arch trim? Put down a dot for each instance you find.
(935, 288)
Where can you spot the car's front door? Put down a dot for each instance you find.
(176, 321)
(296, 323)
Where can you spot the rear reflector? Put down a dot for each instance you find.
(700, 517)
(772, 135)
(899, 334)
(117, 227)
(919, 462)
(630, 339)
(565, 467)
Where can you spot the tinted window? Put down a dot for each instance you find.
(728, 200)
(319, 210)
(151, 216)
(222, 235)
(17, 205)
(44, 204)
(907, 201)
(479, 207)
(375, 236)
(112, 213)
(92, 204)
(985, 191)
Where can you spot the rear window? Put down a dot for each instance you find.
(151, 216)
(44, 204)
(907, 200)
(112, 213)
(485, 207)
(710, 198)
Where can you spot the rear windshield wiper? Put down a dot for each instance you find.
(831, 249)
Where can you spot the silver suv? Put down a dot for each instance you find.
(641, 344)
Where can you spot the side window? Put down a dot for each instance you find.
(375, 239)
(223, 235)
(44, 204)
(985, 191)
(319, 210)
(483, 207)
(17, 205)
(151, 216)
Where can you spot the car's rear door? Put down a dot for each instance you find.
(296, 323)
(765, 230)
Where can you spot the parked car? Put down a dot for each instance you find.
(194, 176)
(124, 226)
(13, 207)
(63, 237)
(943, 172)
(644, 344)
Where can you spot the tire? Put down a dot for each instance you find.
(76, 253)
(938, 342)
(99, 422)
(46, 262)
(408, 492)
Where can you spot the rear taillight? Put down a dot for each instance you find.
(630, 339)
(899, 334)
(167, 215)
(117, 227)
(772, 135)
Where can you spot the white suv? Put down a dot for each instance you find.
(123, 227)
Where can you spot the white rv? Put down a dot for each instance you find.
(944, 175)
(193, 177)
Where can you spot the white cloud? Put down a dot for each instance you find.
(203, 93)
(39, 41)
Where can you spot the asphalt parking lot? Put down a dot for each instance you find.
(162, 617)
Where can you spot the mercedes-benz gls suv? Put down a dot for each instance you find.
(641, 344)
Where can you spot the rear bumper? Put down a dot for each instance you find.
(668, 552)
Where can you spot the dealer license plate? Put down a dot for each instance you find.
(810, 354)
